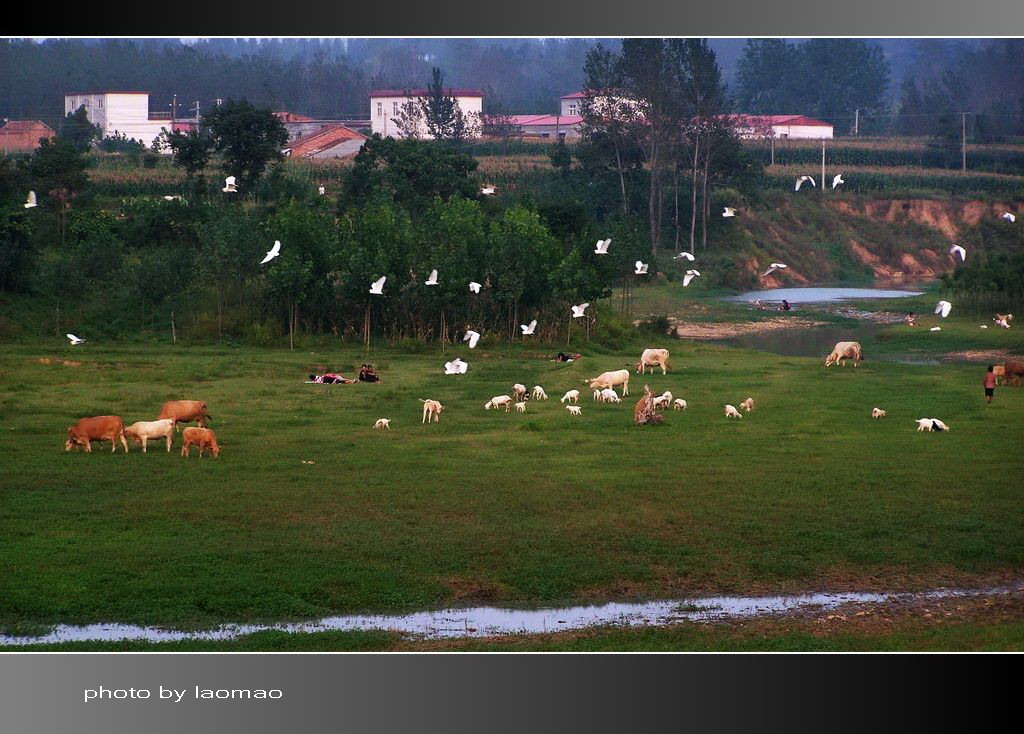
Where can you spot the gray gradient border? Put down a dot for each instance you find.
(43, 692)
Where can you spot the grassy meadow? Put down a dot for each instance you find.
(808, 492)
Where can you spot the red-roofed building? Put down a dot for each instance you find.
(782, 126)
(333, 141)
(544, 126)
(23, 136)
(385, 105)
(298, 125)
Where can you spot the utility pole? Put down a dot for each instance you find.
(856, 122)
(174, 109)
(773, 148)
(823, 166)
(963, 141)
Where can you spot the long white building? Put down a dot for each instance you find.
(385, 105)
(119, 112)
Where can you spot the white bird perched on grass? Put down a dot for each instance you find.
(272, 252)
(472, 337)
(474, 287)
(456, 367)
(230, 185)
(935, 328)
(432, 280)
(175, 197)
(690, 275)
(75, 341)
(958, 250)
(729, 212)
(528, 328)
(800, 182)
(602, 246)
(641, 268)
(984, 326)
(773, 268)
(30, 202)
(487, 190)
(837, 180)
(377, 286)
(943, 307)
(1009, 217)
(684, 255)
(578, 311)
(322, 191)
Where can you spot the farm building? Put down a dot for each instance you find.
(782, 126)
(332, 141)
(298, 125)
(23, 136)
(571, 104)
(120, 112)
(385, 104)
(544, 126)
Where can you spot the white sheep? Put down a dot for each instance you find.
(731, 412)
(679, 404)
(538, 393)
(573, 396)
(574, 409)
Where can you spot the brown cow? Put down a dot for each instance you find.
(203, 438)
(98, 428)
(1014, 371)
(185, 411)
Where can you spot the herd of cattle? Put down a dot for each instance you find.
(111, 428)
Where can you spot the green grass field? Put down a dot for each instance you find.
(808, 492)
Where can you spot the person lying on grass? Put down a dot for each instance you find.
(329, 378)
(567, 357)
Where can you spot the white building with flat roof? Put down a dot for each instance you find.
(386, 104)
(119, 112)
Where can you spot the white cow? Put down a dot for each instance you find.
(610, 379)
(145, 430)
(497, 401)
(653, 358)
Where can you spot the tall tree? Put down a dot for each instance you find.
(249, 138)
(78, 131)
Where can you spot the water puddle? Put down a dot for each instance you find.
(815, 294)
(492, 621)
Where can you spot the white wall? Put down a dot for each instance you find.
(384, 109)
(803, 131)
(572, 106)
(119, 113)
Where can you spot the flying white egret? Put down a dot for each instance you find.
(487, 190)
(800, 182)
(641, 268)
(837, 180)
(322, 191)
(577, 311)
(684, 254)
(432, 280)
(935, 328)
(958, 250)
(30, 202)
(528, 329)
(272, 253)
(773, 268)
(230, 186)
(690, 275)
(602, 246)
(377, 287)
(75, 341)
(1009, 217)
(474, 286)
(729, 212)
(943, 307)
(472, 337)
(456, 367)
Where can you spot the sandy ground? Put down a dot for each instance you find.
(725, 330)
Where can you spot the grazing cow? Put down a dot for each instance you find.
(679, 404)
(731, 412)
(520, 407)
(145, 430)
(185, 411)
(1013, 371)
(382, 423)
(519, 392)
(610, 379)
(877, 413)
(653, 358)
(999, 371)
(609, 396)
(538, 393)
(203, 438)
(574, 409)
(98, 428)
(845, 350)
(431, 409)
(748, 405)
(573, 396)
(497, 401)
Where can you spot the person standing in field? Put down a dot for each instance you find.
(990, 383)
